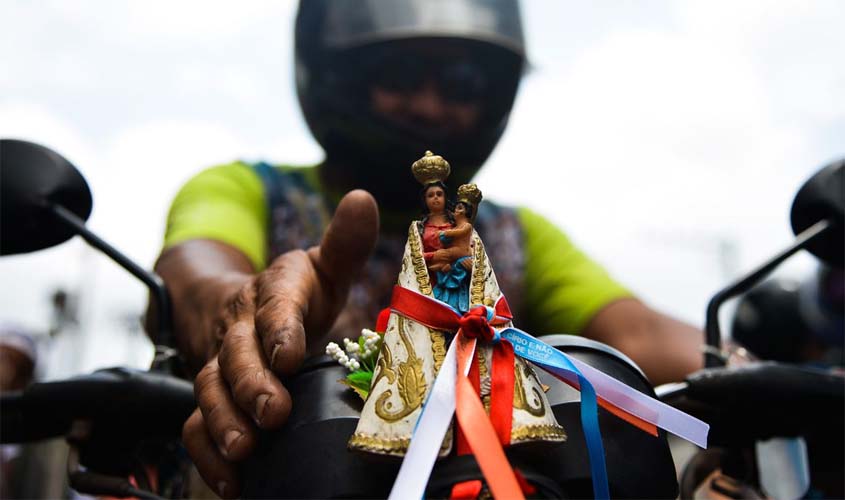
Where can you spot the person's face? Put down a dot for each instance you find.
(460, 210)
(429, 86)
(435, 199)
(424, 107)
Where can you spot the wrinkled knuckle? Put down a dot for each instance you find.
(192, 427)
(220, 324)
(224, 355)
(269, 308)
(209, 370)
(284, 260)
(248, 379)
(231, 346)
(215, 413)
(275, 271)
(270, 318)
(209, 374)
(243, 301)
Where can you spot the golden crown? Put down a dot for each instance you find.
(469, 193)
(430, 168)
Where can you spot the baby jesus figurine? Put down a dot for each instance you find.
(453, 263)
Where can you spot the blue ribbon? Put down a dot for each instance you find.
(551, 359)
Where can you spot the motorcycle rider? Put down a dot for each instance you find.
(255, 289)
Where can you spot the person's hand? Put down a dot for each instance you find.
(265, 329)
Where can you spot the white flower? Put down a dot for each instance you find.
(371, 343)
(332, 348)
(369, 335)
(349, 358)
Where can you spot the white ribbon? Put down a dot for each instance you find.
(435, 419)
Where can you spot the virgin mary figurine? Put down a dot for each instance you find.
(412, 353)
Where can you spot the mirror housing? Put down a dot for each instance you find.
(823, 197)
(32, 179)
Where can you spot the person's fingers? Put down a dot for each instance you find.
(219, 474)
(254, 386)
(305, 291)
(350, 238)
(283, 299)
(230, 428)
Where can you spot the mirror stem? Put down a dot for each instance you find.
(714, 334)
(153, 281)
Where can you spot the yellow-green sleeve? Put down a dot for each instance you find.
(564, 288)
(225, 203)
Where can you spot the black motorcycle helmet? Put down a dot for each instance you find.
(343, 46)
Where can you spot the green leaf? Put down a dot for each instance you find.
(362, 393)
(360, 378)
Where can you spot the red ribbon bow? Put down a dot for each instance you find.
(475, 325)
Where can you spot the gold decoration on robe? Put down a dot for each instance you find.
(479, 270)
(411, 382)
(438, 347)
(420, 269)
(520, 399)
(538, 433)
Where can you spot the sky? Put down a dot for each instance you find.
(666, 138)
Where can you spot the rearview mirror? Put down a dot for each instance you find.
(32, 178)
(823, 197)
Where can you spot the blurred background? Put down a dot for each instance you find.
(666, 138)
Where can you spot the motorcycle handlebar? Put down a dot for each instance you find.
(761, 400)
(132, 401)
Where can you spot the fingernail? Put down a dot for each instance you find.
(260, 406)
(277, 349)
(221, 488)
(229, 438)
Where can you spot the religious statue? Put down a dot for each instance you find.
(444, 262)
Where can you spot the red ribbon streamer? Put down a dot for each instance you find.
(475, 379)
(501, 390)
(479, 432)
